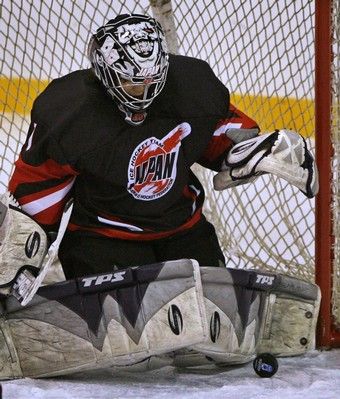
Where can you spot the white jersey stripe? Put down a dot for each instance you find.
(113, 223)
(29, 143)
(194, 207)
(41, 204)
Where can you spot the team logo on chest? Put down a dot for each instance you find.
(153, 164)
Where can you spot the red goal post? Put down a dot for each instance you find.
(327, 127)
(280, 60)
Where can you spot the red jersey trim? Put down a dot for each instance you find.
(26, 173)
(125, 235)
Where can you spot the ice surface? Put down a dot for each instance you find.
(313, 376)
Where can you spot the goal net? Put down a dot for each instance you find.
(264, 52)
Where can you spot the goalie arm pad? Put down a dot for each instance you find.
(283, 153)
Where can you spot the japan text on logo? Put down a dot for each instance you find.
(153, 165)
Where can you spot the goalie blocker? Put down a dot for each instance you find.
(171, 313)
(23, 245)
(26, 254)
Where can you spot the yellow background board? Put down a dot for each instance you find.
(17, 96)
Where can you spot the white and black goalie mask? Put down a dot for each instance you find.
(130, 49)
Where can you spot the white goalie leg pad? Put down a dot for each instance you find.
(250, 313)
(289, 317)
(114, 319)
(23, 244)
(234, 312)
(283, 153)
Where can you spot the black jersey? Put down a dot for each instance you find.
(129, 182)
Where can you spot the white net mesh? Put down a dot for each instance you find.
(256, 50)
(263, 52)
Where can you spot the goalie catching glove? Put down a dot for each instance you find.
(282, 153)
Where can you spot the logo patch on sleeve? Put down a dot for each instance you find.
(153, 164)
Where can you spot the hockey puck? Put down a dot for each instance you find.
(265, 365)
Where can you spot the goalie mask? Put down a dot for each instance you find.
(130, 50)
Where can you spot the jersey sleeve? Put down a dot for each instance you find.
(220, 143)
(42, 180)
